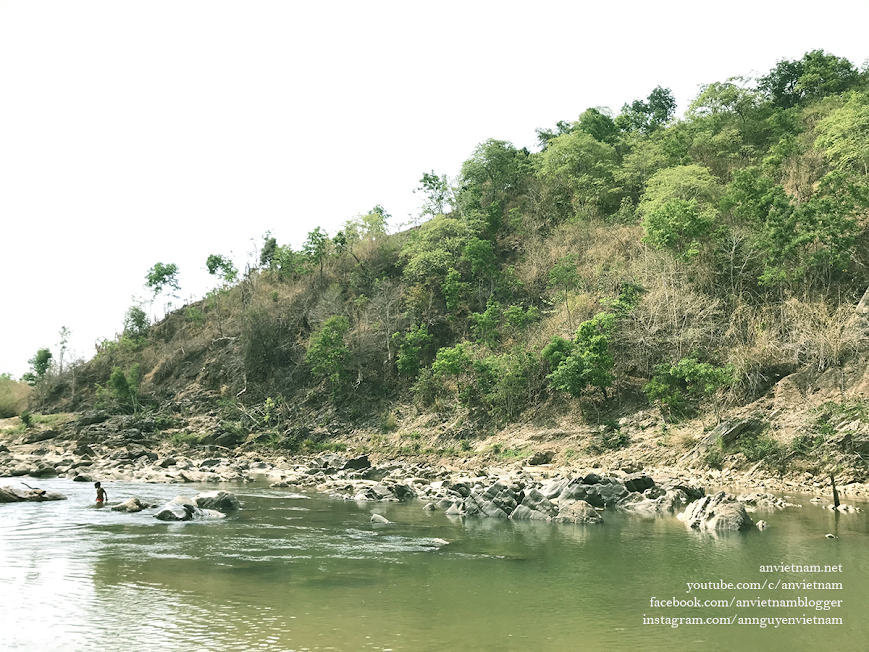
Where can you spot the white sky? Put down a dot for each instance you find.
(138, 132)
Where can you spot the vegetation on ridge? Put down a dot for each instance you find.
(635, 258)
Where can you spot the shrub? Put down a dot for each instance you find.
(13, 397)
(328, 353)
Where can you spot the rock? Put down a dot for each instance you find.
(82, 477)
(39, 435)
(498, 501)
(718, 512)
(429, 507)
(90, 418)
(575, 490)
(830, 536)
(455, 510)
(27, 494)
(377, 518)
(4, 449)
(761, 525)
(130, 506)
(183, 509)
(578, 512)
(591, 478)
(222, 501)
(166, 462)
(534, 506)
(727, 431)
(638, 482)
(541, 457)
(43, 471)
(357, 463)
(21, 469)
(554, 488)
(402, 491)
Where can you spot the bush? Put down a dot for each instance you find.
(760, 448)
(689, 380)
(13, 397)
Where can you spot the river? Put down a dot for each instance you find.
(314, 574)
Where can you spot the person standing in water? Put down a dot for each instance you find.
(101, 494)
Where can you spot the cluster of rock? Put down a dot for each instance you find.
(720, 511)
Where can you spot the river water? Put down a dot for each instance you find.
(314, 574)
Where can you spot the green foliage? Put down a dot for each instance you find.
(519, 318)
(222, 267)
(162, 276)
(122, 390)
(39, 365)
(437, 193)
(761, 447)
(679, 225)
(658, 109)
(26, 418)
(454, 290)
(328, 354)
(410, 346)
(689, 380)
(576, 174)
(844, 135)
(194, 315)
(588, 361)
(816, 75)
(485, 324)
(136, 323)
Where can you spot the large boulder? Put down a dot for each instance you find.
(718, 512)
(357, 463)
(222, 501)
(130, 506)
(27, 494)
(185, 509)
(534, 506)
(578, 512)
(39, 435)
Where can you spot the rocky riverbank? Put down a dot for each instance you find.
(527, 489)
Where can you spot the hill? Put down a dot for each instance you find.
(617, 295)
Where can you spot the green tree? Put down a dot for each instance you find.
(221, 267)
(437, 191)
(316, 247)
(39, 366)
(565, 279)
(328, 354)
(576, 175)
(162, 276)
(123, 388)
(658, 109)
(136, 323)
(64, 340)
(588, 362)
(410, 346)
(816, 75)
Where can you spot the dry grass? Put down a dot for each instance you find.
(13, 397)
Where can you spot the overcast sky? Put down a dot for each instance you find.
(138, 132)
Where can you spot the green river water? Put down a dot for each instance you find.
(314, 574)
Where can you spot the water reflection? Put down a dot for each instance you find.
(286, 574)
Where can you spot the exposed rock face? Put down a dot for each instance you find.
(498, 501)
(719, 512)
(18, 495)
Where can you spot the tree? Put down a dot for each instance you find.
(222, 267)
(587, 362)
(39, 366)
(267, 253)
(328, 354)
(816, 75)
(437, 191)
(64, 340)
(576, 173)
(163, 276)
(136, 323)
(410, 345)
(599, 125)
(658, 109)
(316, 247)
